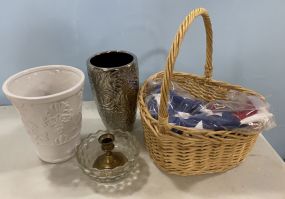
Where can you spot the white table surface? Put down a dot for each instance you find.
(23, 175)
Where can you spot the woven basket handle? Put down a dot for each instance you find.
(173, 53)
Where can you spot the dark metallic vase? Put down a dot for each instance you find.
(114, 80)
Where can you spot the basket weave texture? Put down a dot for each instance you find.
(196, 151)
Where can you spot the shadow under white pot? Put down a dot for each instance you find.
(49, 100)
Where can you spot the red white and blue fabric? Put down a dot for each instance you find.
(190, 112)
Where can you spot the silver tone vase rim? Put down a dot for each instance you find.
(111, 51)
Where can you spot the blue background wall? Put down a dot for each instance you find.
(248, 40)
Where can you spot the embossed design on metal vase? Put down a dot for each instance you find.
(113, 76)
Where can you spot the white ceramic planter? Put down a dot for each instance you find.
(49, 100)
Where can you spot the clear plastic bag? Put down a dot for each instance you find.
(238, 110)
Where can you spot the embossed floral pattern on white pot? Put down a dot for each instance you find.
(49, 100)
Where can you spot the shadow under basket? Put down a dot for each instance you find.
(194, 151)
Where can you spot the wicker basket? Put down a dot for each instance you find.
(195, 151)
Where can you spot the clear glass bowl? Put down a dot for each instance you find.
(89, 149)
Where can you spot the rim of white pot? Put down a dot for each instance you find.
(42, 99)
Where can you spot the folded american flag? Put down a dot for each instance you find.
(237, 112)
